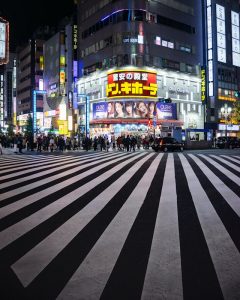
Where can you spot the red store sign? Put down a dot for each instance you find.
(130, 84)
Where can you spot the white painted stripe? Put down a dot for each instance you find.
(13, 232)
(60, 165)
(16, 166)
(224, 254)
(163, 278)
(101, 259)
(8, 209)
(236, 156)
(225, 171)
(232, 199)
(51, 178)
(41, 255)
(230, 158)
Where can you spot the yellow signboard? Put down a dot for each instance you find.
(203, 85)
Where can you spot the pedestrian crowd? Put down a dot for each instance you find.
(49, 143)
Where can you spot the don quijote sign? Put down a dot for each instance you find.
(128, 84)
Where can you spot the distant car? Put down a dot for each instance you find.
(229, 142)
(167, 143)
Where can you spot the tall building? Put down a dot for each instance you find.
(60, 69)
(222, 61)
(4, 56)
(10, 116)
(30, 78)
(132, 56)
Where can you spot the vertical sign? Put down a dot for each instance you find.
(4, 41)
(87, 115)
(1, 99)
(203, 84)
(235, 39)
(34, 111)
(221, 33)
(210, 48)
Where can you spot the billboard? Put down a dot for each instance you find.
(167, 111)
(134, 109)
(4, 41)
(100, 110)
(129, 84)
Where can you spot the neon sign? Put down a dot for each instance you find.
(128, 84)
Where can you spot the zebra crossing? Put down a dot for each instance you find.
(139, 225)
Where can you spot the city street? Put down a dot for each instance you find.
(120, 225)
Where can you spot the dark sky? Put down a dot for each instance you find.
(25, 16)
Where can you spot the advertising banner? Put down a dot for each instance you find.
(167, 111)
(128, 84)
(134, 109)
(99, 110)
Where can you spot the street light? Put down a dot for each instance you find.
(226, 112)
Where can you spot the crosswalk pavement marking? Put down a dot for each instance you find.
(16, 166)
(226, 258)
(50, 178)
(165, 252)
(61, 237)
(60, 166)
(101, 259)
(95, 271)
(226, 162)
(18, 229)
(225, 191)
(226, 172)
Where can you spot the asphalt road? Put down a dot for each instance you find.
(117, 225)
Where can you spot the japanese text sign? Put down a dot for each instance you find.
(128, 84)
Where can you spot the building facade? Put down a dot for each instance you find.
(60, 69)
(30, 79)
(222, 61)
(136, 54)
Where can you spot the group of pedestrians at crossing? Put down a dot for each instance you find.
(52, 143)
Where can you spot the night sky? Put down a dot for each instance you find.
(26, 15)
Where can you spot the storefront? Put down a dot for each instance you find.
(132, 101)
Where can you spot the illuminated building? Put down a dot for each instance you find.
(222, 55)
(30, 77)
(60, 71)
(133, 52)
(4, 57)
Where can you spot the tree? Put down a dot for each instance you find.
(235, 117)
(29, 126)
(10, 130)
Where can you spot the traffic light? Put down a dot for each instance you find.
(165, 100)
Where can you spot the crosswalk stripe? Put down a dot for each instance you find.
(32, 164)
(226, 172)
(18, 229)
(227, 256)
(69, 229)
(22, 208)
(120, 225)
(230, 158)
(60, 166)
(224, 190)
(226, 162)
(48, 180)
(198, 274)
(165, 252)
(114, 235)
(25, 158)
